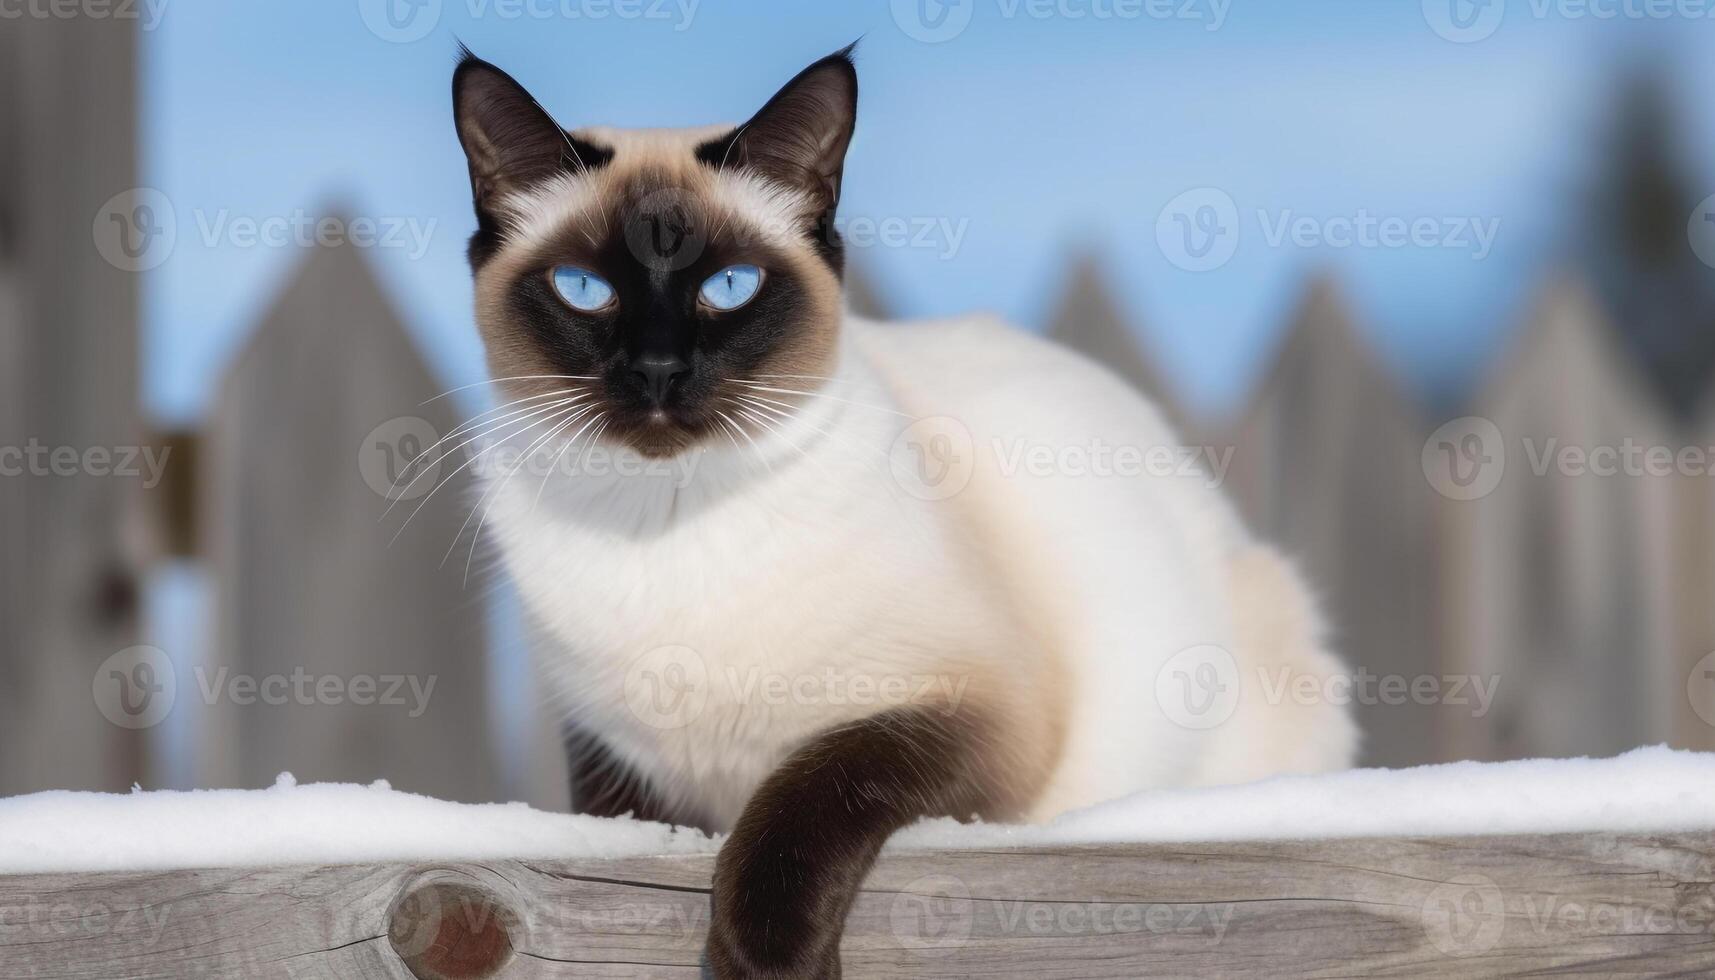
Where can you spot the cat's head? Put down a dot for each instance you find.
(656, 271)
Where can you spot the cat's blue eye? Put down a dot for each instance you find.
(582, 289)
(732, 287)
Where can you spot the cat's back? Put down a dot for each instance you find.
(1115, 536)
(1050, 421)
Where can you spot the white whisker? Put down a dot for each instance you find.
(759, 453)
(833, 398)
(480, 421)
(493, 426)
(491, 493)
(562, 453)
(516, 377)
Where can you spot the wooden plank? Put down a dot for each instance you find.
(1600, 904)
(307, 433)
(1696, 584)
(1326, 464)
(69, 562)
(1089, 320)
(1561, 582)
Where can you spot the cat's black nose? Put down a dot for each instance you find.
(658, 375)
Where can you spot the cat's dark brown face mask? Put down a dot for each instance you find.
(659, 275)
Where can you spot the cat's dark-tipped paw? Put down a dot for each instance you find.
(722, 961)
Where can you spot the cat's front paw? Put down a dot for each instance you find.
(764, 919)
(724, 959)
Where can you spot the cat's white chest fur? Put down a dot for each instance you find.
(705, 621)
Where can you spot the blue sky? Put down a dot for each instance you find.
(1040, 128)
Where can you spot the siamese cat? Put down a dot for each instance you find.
(805, 578)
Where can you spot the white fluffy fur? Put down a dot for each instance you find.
(820, 558)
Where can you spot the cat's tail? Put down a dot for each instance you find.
(1292, 718)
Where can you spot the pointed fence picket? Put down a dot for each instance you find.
(1088, 319)
(68, 564)
(316, 419)
(1560, 580)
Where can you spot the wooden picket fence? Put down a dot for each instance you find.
(1585, 601)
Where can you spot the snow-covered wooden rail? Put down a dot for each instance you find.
(1604, 904)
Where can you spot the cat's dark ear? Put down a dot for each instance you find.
(800, 137)
(509, 139)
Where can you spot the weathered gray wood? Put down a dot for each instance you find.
(1597, 904)
(1695, 595)
(67, 563)
(1562, 582)
(1326, 464)
(1089, 320)
(11, 154)
(309, 579)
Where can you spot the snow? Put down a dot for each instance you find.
(321, 823)
(1647, 790)
(1643, 791)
